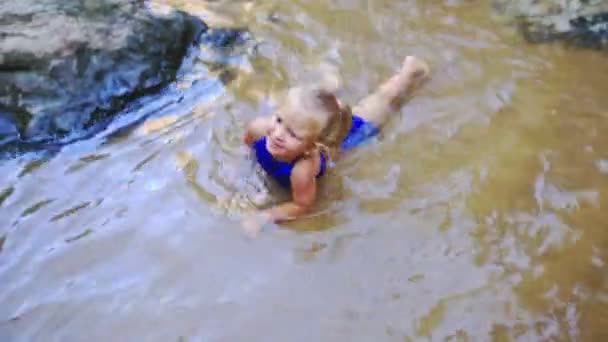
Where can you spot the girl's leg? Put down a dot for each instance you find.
(377, 107)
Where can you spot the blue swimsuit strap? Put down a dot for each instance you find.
(323, 165)
(284, 170)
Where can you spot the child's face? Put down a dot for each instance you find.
(290, 135)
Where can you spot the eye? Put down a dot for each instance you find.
(279, 120)
(294, 135)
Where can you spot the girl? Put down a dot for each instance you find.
(311, 127)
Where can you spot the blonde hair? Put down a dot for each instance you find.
(329, 120)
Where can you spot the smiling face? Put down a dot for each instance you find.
(295, 129)
(287, 139)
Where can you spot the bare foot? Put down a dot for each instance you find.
(416, 67)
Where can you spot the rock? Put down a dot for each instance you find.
(66, 65)
(8, 127)
(582, 23)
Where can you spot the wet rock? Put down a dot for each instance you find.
(8, 127)
(582, 23)
(67, 65)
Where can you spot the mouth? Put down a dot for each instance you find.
(273, 144)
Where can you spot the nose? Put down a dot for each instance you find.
(278, 133)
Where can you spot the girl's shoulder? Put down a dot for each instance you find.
(311, 165)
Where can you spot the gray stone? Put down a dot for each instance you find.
(67, 64)
(579, 22)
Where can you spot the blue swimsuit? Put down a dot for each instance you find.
(360, 131)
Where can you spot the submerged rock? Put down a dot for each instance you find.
(582, 23)
(66, 65)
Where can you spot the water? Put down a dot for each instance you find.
(477, 216)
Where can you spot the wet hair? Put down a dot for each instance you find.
(324, 114)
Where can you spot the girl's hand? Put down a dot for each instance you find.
(304, 189)
(257, 128)
(253, 223)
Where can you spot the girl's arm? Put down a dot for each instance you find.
(304, 191)
(257, 128)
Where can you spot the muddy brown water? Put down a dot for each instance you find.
(480, 214)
